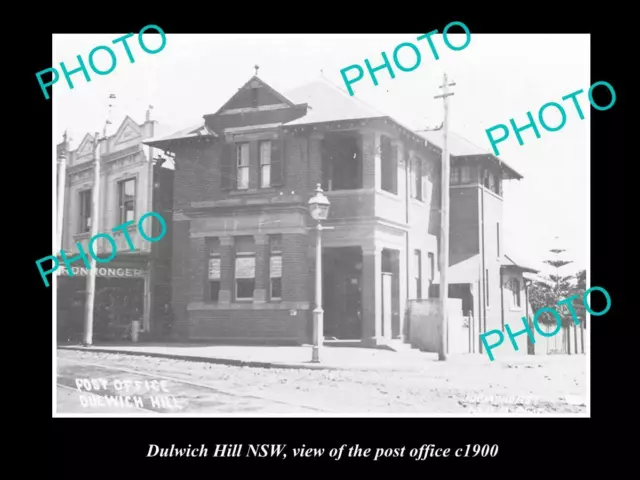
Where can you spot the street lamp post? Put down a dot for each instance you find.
(319, 210)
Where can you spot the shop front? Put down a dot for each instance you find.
(122, 296)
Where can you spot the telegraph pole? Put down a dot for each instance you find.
(95, 222)
(91, 276)
(444, 224)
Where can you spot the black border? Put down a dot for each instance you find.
(81, 447)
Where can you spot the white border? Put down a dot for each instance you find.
(54, 284)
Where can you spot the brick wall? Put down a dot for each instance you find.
(296, 164)
(197, 179)
(197, 175)
(464, 224)
(162, 250)
(240, 326)
(253, 321)
(295, 268)
(179, 274)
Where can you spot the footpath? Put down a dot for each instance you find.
(332, 358)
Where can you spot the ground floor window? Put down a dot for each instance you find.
(245, 277)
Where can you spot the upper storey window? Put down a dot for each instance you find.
(341, 161)
(252, 165)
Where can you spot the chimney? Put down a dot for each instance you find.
(148, 116)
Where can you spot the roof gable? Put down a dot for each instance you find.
(255, 93)
(127, 131)
(85, 148)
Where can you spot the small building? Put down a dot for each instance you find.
(135, 285)
(243, 245)
(489, 283)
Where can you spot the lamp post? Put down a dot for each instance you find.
(319, 210)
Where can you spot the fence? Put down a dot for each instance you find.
(424, 320)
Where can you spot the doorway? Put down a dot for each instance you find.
(342, 293)
(390, 293)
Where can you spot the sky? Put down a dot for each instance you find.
(498, 77)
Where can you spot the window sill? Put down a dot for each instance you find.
(252, 191)
(490, 192)
(419, 202)
(286, 305)
(515, 309)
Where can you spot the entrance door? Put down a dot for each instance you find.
(342, 294)
(390, 293)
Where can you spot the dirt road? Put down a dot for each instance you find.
(537, 385)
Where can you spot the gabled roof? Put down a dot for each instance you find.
(461, 147)
(253, 83)
(508, 261)
(327, 103)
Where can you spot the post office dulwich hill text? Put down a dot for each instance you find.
(527, 329)
(82, 68)
(532, 124)
(83, 256)
(396, 51)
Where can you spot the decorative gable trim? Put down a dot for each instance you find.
(262, 108)
(128, 130)
(85, 149)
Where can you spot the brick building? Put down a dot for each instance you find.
(243, 244)
(135, 284)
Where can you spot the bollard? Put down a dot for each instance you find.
(135, 330)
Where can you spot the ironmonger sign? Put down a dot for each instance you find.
(103, 272)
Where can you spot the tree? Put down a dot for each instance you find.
(578, 305)
(556, 287)
(553, 289)
(579, 289)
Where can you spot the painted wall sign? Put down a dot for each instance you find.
(214, 269)
(103, 272)
(276, 266)
(245, 267)
(83, 256)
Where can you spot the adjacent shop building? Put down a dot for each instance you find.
(135, 285)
